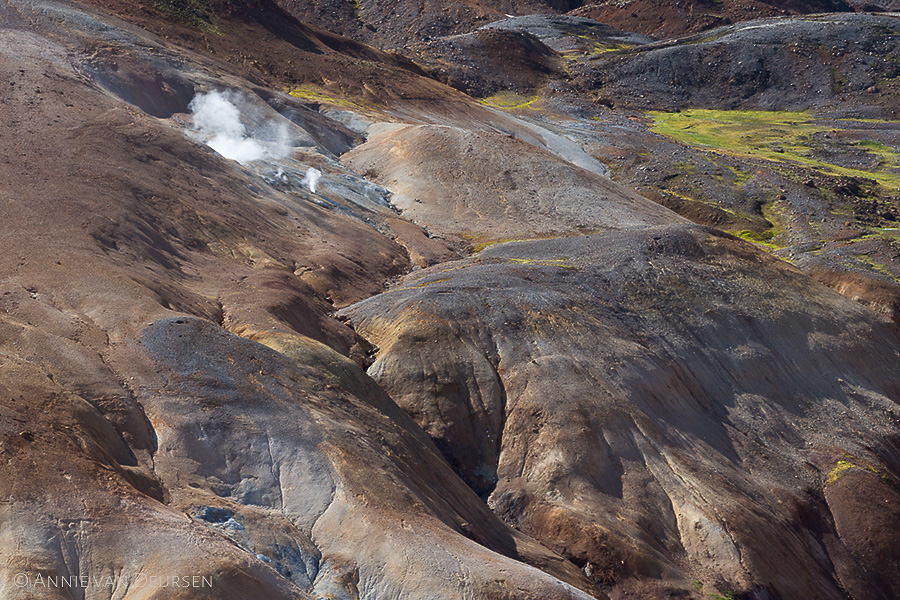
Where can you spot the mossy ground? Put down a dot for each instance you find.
(315, 94)
(418, 286)
(764, 237)
(732, 213)
(866, 258)
(771, 217)
(851, 463)
(565, 263)
(778, 136)
(511, 101)
(479, 244)
(594, 48)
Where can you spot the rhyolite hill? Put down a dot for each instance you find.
(512, 347)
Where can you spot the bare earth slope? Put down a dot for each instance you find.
(140, 433)
(488, 186)
(660, 406)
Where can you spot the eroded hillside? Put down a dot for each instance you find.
(290, 314)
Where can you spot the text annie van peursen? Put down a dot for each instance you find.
(141, 580)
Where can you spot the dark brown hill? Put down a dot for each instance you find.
(829, 62)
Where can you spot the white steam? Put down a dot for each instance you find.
(217, 122)
(311, 179)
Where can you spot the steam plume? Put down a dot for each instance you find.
(217, 122)
(311, 179)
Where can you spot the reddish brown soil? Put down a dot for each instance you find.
(268, 46)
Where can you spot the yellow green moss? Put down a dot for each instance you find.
(757, 237)
(740, 176)
(510, 101)
(889, 157)
(315, 94)
(594, 48)
(487, 243)
(732, 213)
(876, 266)
(543, 262)
(779, 136)
(418, 286)
(840, 469)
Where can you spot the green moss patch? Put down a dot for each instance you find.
(876, 266)
(850, 463)
(757, 237)
(315, 94)
(510, 101)
(778, 136)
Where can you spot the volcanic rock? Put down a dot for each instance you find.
(771, 64)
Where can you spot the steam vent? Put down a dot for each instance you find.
(450, 300)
